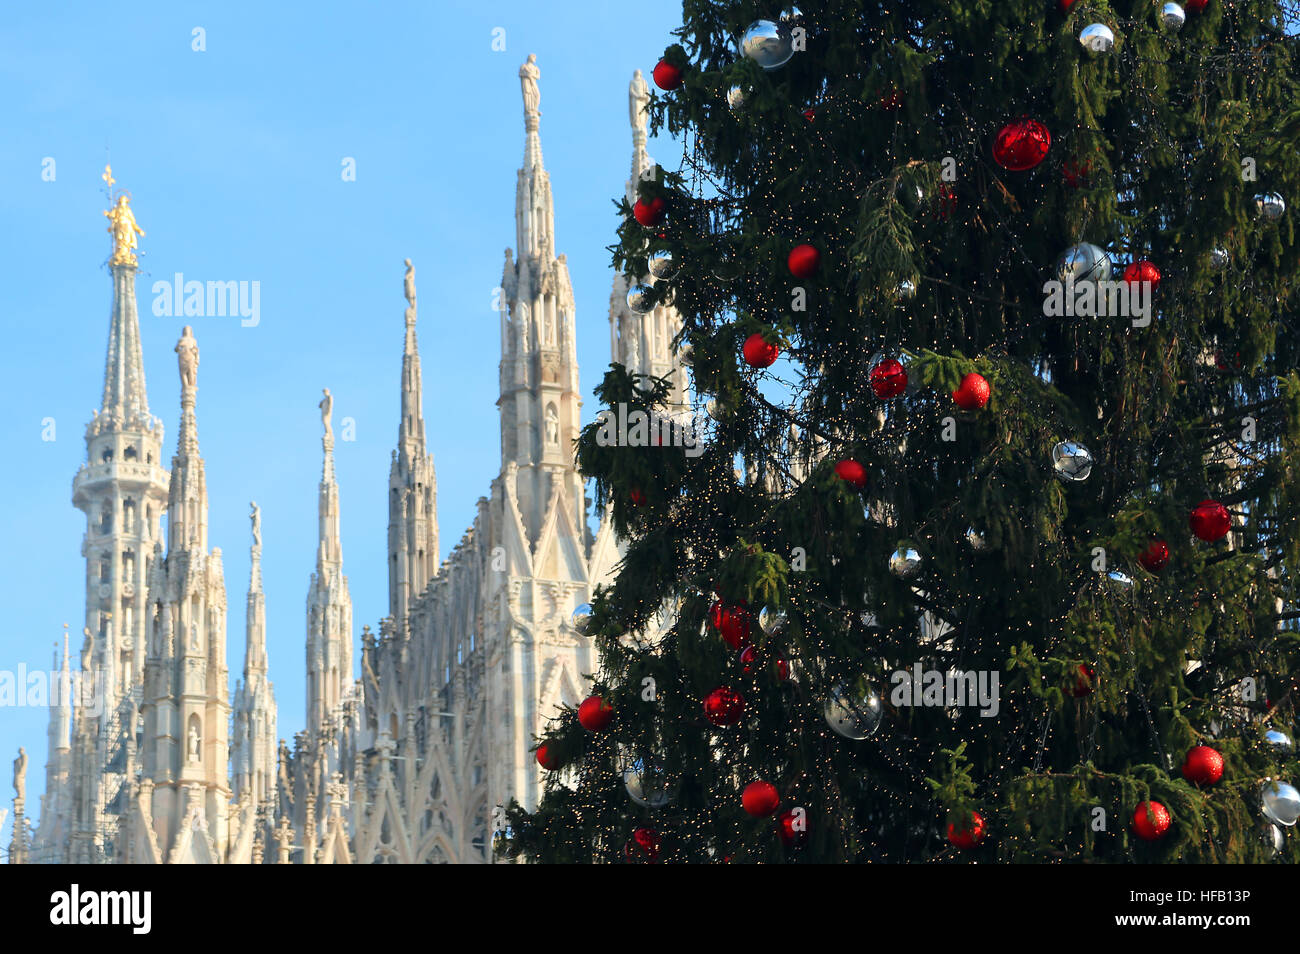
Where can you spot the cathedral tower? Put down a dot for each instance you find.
(329, 607)
(540, 401)
(122, 487)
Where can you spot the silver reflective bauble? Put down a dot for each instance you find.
(1119, 578)
(1269, 206)
(736, 98)
(975, 540)
(715, 409)
(649, 788)
(642, 299)
(1279, 740)
(904, 562)
(501, 837)
(1219, 259)
(1097, 38)
(854, 715)
(686, 355)
(660, 264)
(726, 269)
(1280, 803)
(581, 619)
(869, 619)
(1071, 461)
(768, 44)
(1274, 838)
(1084, 262)
(1172, 17)
(772, 621)
(905, 290)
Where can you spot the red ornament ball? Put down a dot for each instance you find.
(792, 827)
(1193, 6)
(760, 799)
(650, 213)
(1153, 824)
(637, 496)
(1021, 145)
(888, 379)
(758, 353)
(594, 714)
(947, 201)
(1210, 520)
(547, 757)
(803, 261)
(724, 707)
(732, 621)
(1075, 172)
(642, 847)
(851, 472)
(970, 834)
(1203, 765)
(1142, 272)
(749, 663)
(1084, 681)
(1155, 557)
(1065, 5)
(667, 76)
(973, 392)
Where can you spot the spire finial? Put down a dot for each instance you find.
(409, 289)
(327, 439)
(187, 359)
(528, 75)
(121, 224)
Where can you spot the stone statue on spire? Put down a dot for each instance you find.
(187, 357)
(409, 288)
(638, 97)
(20, 775)
(326, 409)
(256, 516)
(528, 74)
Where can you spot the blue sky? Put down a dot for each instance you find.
(233, 158)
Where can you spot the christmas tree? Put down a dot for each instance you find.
(987, 554)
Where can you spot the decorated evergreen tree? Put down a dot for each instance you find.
(988, 554)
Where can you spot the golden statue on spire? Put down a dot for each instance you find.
(122, 225)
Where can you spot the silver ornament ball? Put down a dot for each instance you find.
(648, 787)
(904, 562)
(772, 621)
(1279, 740)
(854, 715)
(581, 619)
(660, 264)
(1280, 803)
(1274, 837)
(904, 291)
(1083, 263)
(642, 299)
(1269, 206)
(736, 99)
(768, 44)
(1119, 578)
(1071, 461)
(976, 540)
(1172, 17)
(1097, 38)
(1219, 259)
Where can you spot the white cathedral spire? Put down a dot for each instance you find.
(412, 483)
(253, 748)
(329, 607)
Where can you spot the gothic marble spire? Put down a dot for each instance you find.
(329, 606)
(412, 483)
